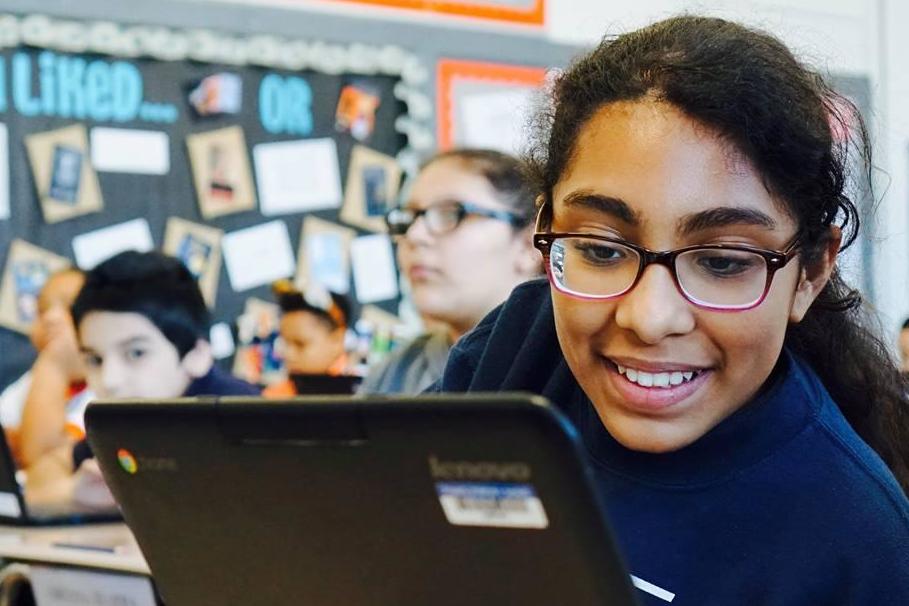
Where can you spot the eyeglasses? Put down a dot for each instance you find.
(721, 277)
(444, 217)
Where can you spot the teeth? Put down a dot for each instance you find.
(656, 379)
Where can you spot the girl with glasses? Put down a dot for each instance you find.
(463, 239)
(748, 431)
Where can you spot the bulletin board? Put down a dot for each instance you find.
(80, 91)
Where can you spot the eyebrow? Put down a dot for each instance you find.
(724, 216)
(608, 205)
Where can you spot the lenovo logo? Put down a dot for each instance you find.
(483, 471)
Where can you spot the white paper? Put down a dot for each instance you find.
(373, 266)
(222, 341)
(258, 255)
(297, 176)
(4, 172)
(495, 119)
(121, 150)
(57, 586)
(96, 246)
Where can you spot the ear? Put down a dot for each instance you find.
(198, 360)
(813, 277)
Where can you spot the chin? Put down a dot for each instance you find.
(652, 436)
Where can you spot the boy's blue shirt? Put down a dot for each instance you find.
(781, 503)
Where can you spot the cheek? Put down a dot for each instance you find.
(578, 323)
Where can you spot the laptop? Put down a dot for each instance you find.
(437, 500)
(16, 510)
(306, 385)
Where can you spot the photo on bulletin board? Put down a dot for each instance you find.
(221, 172)
(199, 247)
(324, 256)
(485, 105)
(257, 359)
(67, 184)
(27, 268)
(373, 181)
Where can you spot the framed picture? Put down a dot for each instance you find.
(324, 255)
(221, 172)
(373, 182)
(199, 247)
(27, 269)
(67, 184)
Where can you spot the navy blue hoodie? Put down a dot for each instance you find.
(780, 504)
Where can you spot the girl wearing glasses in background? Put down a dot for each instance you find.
(749, 434)
(463, 242)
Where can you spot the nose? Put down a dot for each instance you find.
(654, 309)
(112, 378)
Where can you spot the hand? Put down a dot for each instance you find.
(90, 490)
(61, 350)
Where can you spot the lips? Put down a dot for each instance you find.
(653, 387)
(418, 273)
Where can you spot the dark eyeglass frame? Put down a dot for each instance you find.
(464, 210)
(775, 260)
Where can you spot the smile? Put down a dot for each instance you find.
(656, 379)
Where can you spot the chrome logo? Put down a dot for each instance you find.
(127, 461)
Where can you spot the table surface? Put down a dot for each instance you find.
(99, 546)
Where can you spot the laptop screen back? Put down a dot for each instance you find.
(444, 500)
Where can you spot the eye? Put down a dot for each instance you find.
(135, 353)
(91, 360)
(727, 264)
(600, 253)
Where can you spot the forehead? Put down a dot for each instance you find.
(301, 323)
(450, 179)
(102, 330)
(661, 163)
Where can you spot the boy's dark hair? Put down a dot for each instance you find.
(906, 324)
(152, 284)
(291, 299)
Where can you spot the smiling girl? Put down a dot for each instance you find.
(740, 418)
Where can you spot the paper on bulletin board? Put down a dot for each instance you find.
(27, 268)
(477, 83)
(99, 245)
(64, 178)
(222, 341)
(199, 247)
(297, 176)
(373, 265)
(495, 119)
(324, 255)
(221, 172)
(59, 586)
(126, 150)
(521, 12)
(4, 172)
(373, 180)
(258, 255)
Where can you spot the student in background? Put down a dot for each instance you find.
(739, 416)
(313, 330)
(142, 327)
(52, 393)
(463, 242)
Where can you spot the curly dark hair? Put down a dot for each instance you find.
(808, 144)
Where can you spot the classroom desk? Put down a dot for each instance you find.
(104, 547)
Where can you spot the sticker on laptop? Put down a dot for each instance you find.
(494, 505)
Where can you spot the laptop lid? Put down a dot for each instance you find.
(429, 500)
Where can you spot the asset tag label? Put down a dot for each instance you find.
(498, 505)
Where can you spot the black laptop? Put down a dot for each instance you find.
(420, 501)
(16, 510)
(312, 385)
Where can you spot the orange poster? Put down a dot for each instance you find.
(527, 12)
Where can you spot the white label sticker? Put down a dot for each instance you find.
(64, 587)
(492, 505)
(9, 505)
